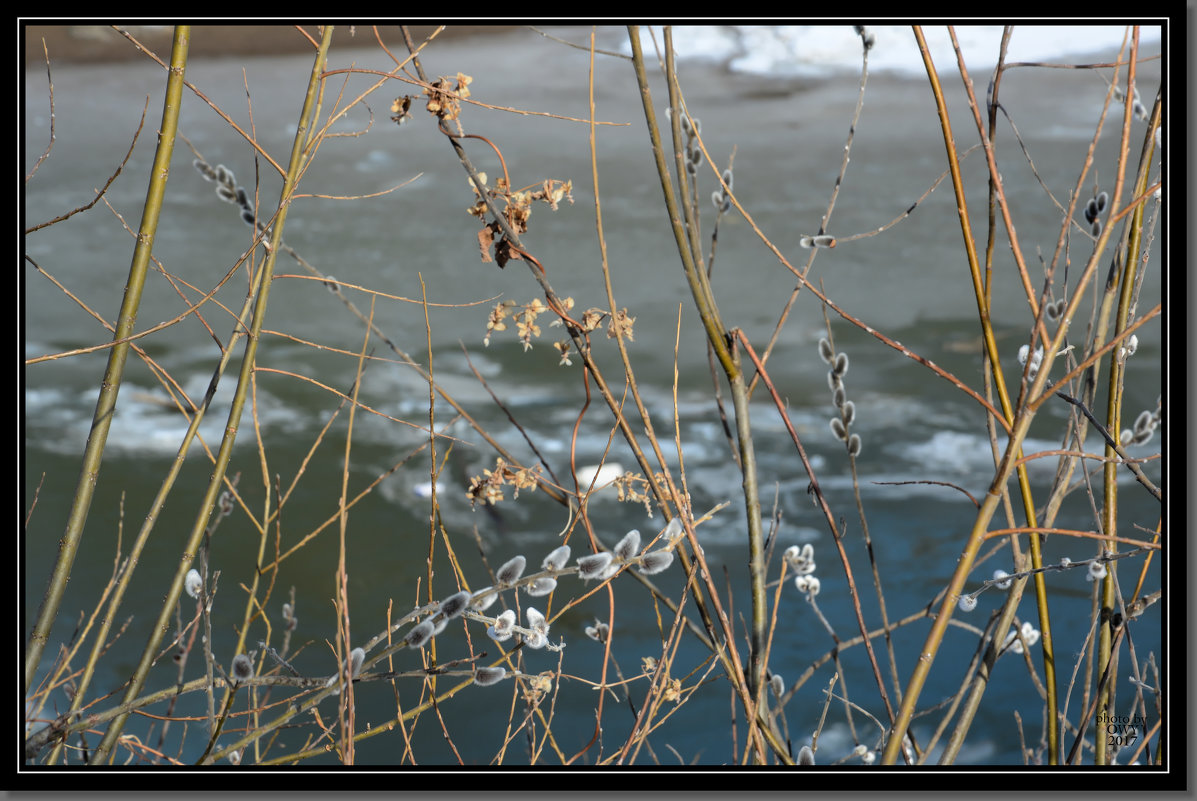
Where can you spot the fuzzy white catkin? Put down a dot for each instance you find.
(511, 570)
(193, 583)
(557, 558)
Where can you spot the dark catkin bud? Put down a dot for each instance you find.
(205, 169)
(717, 200)
(854, 445)
(825, 351)
(1101, 201)
(243, 198)
(224, 176)
(848, 412)
(691, 168)
(1096, 228)
(841, 364)
(833, 380)
(806, 756)
(655, 562)
(486, 676)
(455, 604)
(511, 570)
(243, 668)
(839, 397)
(420, 635)
(837, 428)
(247, 216)
(629, 546)
(727, 178)
(594, 565)
(226, 194)
(1091, 211)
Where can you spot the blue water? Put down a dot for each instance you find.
(788, 136)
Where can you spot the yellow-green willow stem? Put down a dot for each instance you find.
(105, 750)
(93, 453)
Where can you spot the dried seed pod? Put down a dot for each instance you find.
(486, 676)
(511, 570)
